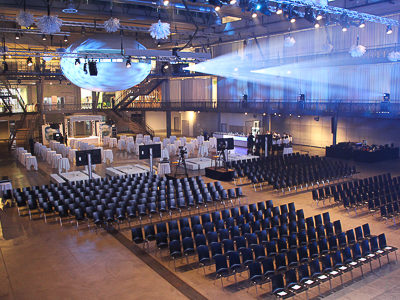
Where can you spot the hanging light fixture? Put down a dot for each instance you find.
(389, 29)
(44, 37)
(77, 62)
(128, 62)
(254, 15)
(25, 19)
(159, 30)
(279, 9)
(29, 61)
(17, 36)
(65, 38)
(49, 24)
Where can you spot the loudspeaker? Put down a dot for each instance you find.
(92, 68)
(333, 125)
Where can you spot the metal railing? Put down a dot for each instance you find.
(367, 109)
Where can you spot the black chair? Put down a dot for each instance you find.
(149, 232)
(175, 250)
(278, 287)
(259, 253)
(235, 266)
(204, 256)
(188, 247)
(247, 256)
(255, 275)
(221, 267)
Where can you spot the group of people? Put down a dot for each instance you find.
(275, 142)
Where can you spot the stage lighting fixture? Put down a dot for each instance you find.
(232, 2)
(217, 8)
(166, 2)
(292, 20)
(319, 17)
(245, 113)
(128, 63)
(389, 29)
(279, 9)
(264, 114)
(316, 25)
(254, 15)
(19, 81)
(344, 28)
(29, 61)
(85, 68)
(44, 37)
(92, 68)
(309, 14)
(258, 6)
(65, 38)
(17, 36)
(158, 45)
(362, 24)
(77, 62)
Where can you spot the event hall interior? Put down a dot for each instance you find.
(199, 149)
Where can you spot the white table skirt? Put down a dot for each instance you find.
(108, 155)
(63, 164)
(130, 147)
(72, 155)
(113, 143)
(213, 142)
(121, 144)
(30, 162)
(203, 151)
(163, 168)
(5, 186)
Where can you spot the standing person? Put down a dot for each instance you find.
(250, 143)
(32, 145)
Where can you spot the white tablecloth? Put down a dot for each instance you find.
(207, 144)
(165, 142)
(123, 137)
(121, 144)
(129, 138)
(30, 162)
(106, 141)
(63, 164)
(146, 137)
(91, 140)
(72, 155)
(203, 151)
(287, 151)
(5, 186)
(137, 148)
(50, 155)
(54, 160)
(213, 142)
(108, 155)
(23, 157)
(139, 140)
(190, 147)
(130, 147)
(37, 148)
(139, 136)
(163, 168)
(172, 138)
(156, 139)
(164, 154)
(200, 139)
(177, 143)
(74, 176)
(171, 149)
(113, 143)
(183, 141)
(43, 152)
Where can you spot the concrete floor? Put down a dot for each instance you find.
(45, 261)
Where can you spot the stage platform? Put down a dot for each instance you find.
(220, 174)
(199, 163)
(77, 176)
(127, 170)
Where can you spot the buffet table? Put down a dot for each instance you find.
(91, 140)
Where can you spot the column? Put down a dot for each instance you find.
(334, 121)
(168, 121)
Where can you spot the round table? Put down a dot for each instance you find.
(30, 161)
(163, 168)
(121, 144)
(63, 164)
(54, 160)
(203, 151)
(130, 147)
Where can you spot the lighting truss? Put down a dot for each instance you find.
(135, 55)
(327, 9)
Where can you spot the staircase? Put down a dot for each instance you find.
(142, 89)
(21, 130)
(126, 124)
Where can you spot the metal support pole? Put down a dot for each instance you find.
(151, 161)
(89, 166)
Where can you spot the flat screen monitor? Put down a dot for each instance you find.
(82, 157)
(144, 151)
(225, 144)
(56, 136)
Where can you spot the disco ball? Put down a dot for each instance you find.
(111, 76)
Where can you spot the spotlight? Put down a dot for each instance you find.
(44, 37)
(279, 9)
(85, 68)
(17, 36)
(29, 61)
(293, 20)
(316, 25)
(235, 69)
(389, 29)
(77, 62)
(258, 6)
(362, 24)
(128, 63)
(232, 2)
(298, 116)
(217, 8)
(344, 28)
(158, 45)
(319, 17)
(264, 114)
(166, 2)
(245, 113)
(65, 38)
(254, 15)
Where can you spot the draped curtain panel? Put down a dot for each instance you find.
(348, 80)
